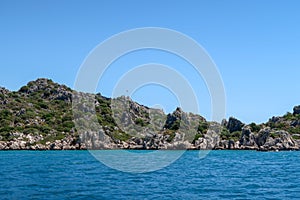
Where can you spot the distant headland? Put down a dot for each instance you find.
(39, 117)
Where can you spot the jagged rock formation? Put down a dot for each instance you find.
(248, 139)
(39, 117)
(296, 110)
(234, 125)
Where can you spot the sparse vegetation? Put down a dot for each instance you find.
(226, 135)
(176, 125)
(140, 121)
(203, 126)
(254, 127)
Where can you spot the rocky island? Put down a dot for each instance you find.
(39, 117)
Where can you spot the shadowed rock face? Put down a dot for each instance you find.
(262, 136)
(173, 118)
(281, 140)
(234, 125)
(39, 117)
(247, 138)
(296, 110)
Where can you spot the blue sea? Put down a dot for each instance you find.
(219, 175)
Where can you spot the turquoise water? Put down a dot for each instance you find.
(220, 175)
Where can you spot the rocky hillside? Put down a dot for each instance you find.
(39, 117)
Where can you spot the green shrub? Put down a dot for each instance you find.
(280, 125)
(6, 136)
(5, 123)
(236, 135)
(273, 135)
(225, 134)
(24, 89)
(6, 114)
(197, 136)
(14, 95)
(105, 110)
(18, 100)
(254, 127)
(68, 125)
(296, 137)
(176, 125)
(203, 126)
(44, 129)
(6, 129)
(43, 105)
(288, 116)
(31, 130)
(140, 121)
(171, 137)
(68, 117)
(117, 135)
(294, 130)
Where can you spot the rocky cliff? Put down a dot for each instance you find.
(39, 117)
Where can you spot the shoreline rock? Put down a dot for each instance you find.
(283, 143)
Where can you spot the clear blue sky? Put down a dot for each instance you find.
(255, 45)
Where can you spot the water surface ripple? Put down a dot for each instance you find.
(221, 175)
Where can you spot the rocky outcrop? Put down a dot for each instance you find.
(3, 96)
(228, 144)
(3, 92)
(296, 110)
(247, 139)
(280, 140)
(32, 142)
(49, 90)
(267, 140)
(262, 136)
(234, 125)
(41, 116)
(97, 140)
(174, 119)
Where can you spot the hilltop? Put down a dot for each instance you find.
(39, 117)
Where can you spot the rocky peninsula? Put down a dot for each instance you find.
(40, 117)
